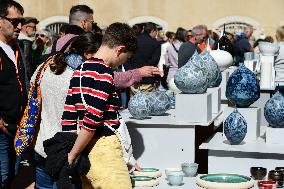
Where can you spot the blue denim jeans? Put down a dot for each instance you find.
(43, 179)
(9, 162)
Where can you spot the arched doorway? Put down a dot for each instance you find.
(161, 24)
(236, 24)
(53, 23)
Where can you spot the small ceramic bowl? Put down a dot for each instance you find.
(258, 173)
(175, 178)
(276, 175)
(267, 184)
(189, 169)
(169, 170)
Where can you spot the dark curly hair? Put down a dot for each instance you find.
(120, 34)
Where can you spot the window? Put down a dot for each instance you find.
(55, 27)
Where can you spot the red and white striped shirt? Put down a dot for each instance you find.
(102, 101)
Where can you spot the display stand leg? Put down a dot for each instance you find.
(202, 134)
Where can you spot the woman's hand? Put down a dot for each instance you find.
(148, 71)
(71, 158)
(137, 167)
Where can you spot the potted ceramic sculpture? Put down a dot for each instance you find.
(139, 106)
(211, 68)
(192, 77)
(235, 128)
(242, 87)
(274, 110)
(159, 102)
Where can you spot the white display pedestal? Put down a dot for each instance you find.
(226, 158)
(267, 75)
(252, 117)
(162, 141)
(225, 77)
(216, 99)
(195, 108)
(274, 135)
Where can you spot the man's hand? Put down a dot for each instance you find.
(3, 126)
(149, 71)
(71, 158)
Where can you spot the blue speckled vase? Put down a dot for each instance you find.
(212, 69)
(217, 82)
(159, 102)
(274, 110)
(139, 106)
(235, 128)
(192, 77)
(242, 87)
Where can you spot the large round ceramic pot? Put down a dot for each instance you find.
(274, 110)
(159, 102)
(235, 128)
(139, 106)
(242, 87)
(192, 77)
(223, 59)
(211, 67)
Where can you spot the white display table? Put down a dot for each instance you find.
(163, 142)
(238, 159)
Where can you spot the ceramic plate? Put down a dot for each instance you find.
(225, 178)
(149, 170)
(141, 178)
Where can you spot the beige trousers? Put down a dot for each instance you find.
(144, 88)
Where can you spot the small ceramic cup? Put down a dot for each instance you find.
(175, 178)
(258, 173)
(189, 169)
(277, 176)
(170, 170)
(267, 184)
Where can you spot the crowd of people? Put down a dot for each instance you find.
(90, 75)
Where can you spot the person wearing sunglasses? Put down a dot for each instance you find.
(13, 95)
(43, 40)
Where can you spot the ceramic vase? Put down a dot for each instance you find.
(274, 110)
(192, 77)
(235, 128)
(139, 106)
(242, 87)
(159, 102)
(211, 68)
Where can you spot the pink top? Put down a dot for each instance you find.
(126, 79)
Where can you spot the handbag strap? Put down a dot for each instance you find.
(42, 70)
(175, 47)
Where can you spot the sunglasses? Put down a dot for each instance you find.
(14, 21)
(40, 35)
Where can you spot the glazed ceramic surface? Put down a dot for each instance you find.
(139, 106)
(211, 68)
(225, 178)
(192, 77)
(268, 49)
(175, 178)
(189, 169)
(258, 173)
(242, 87)
(274, 110)
(223, 59)
(172, 97)
(159, 102)
(172, 86)
(235, 128)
